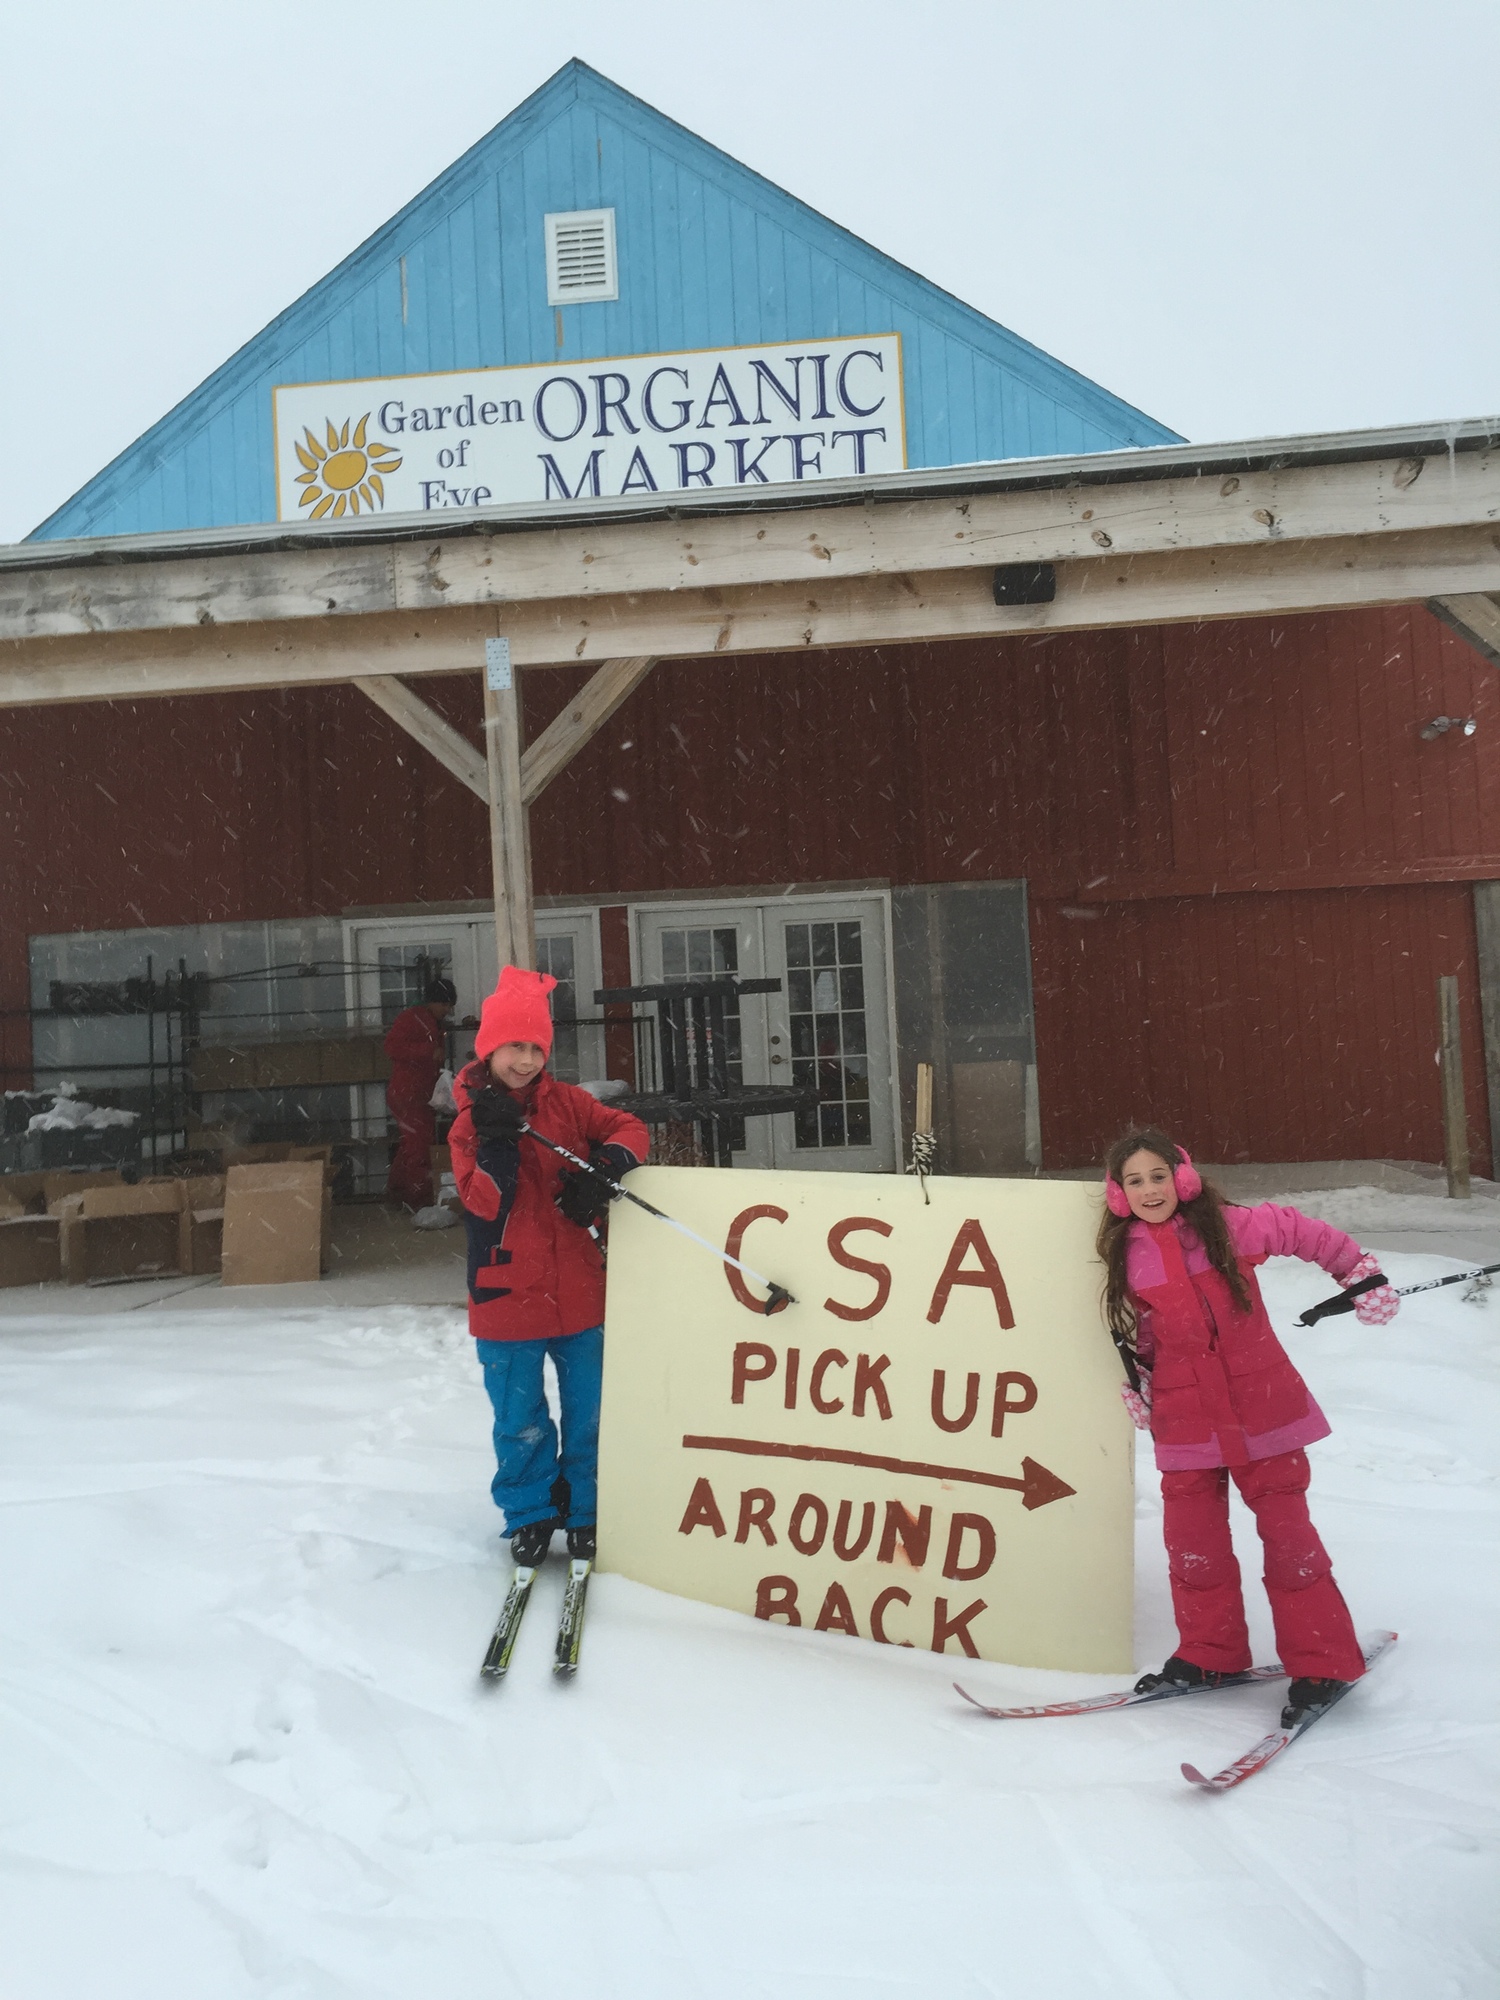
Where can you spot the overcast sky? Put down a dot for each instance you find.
(1248, 220)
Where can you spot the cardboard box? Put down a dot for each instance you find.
(358, 1059)
(267, 1152)
(203, 1224)
(222, 1068)
(58, 1185)
(276, 1218)
(287, 1065)
(30, 1250)
(123, 1232)
(290, 1065)
(23, 1194)
(444, 1187)
(205, 1241)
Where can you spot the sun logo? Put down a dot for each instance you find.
(344, 472)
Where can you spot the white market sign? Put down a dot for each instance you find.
(657, 423)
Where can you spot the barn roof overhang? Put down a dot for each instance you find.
(1152, 536)
(1160, 464)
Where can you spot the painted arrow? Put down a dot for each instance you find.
(1037, 1486)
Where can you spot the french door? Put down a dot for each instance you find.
(827, 1028)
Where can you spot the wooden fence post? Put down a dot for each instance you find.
(1455, 1116)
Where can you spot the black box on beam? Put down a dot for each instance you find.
(1025, 583)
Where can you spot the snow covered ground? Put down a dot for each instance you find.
(248, 1569)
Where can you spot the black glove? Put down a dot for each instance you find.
(584, 1198)
(496, 1114)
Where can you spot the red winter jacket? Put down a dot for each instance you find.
(1223, 1390)
(533, 1275)
(416, 1044)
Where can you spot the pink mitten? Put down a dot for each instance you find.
(1377, 1308)
(1138, 1403)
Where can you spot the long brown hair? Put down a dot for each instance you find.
(1204, 1214)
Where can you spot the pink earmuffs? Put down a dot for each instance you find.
(1185, 1178)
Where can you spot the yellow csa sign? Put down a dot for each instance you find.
(339, 471)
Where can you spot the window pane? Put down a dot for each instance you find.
(710, 951)
(557, 956)
(404, 970)
(826, 1011)
(726, 955)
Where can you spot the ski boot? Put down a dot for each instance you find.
(581, 1543)
(1306, 1699)
(529, 1545)
(1179, 1673)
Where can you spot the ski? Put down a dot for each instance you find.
(570, 1624)
(1272, 1746)
(502, 1643)
(1126, 1697)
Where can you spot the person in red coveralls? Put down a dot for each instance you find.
(536, 1272)
(417, 1048)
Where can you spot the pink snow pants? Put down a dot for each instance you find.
(1314, 1632)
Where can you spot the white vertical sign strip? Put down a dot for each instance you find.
(659, 423)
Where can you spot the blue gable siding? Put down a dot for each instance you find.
(710, 255)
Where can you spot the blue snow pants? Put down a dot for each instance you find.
(527, 1457)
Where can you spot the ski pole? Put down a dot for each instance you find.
(1343, 1302)
(780, 1296)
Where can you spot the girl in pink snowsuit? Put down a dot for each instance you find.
(1222, 1401)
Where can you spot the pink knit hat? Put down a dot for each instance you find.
(516, 1011)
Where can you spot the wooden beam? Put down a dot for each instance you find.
(510, 834)
(557, 745)
(1108, 592)
(1474, 617)
(433, 731)
(809, 547)
(583, 717)
(1266, 882)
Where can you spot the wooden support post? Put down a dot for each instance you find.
(503, 778)
(923, 1120)
(510, 838)
(433, 731)
(1455, 1119)
(584, 716)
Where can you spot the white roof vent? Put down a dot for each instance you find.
(581, 257)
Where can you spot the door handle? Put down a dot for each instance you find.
(777, 1059)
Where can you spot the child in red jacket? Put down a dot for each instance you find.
(536, 1273)
(1222, 1400)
